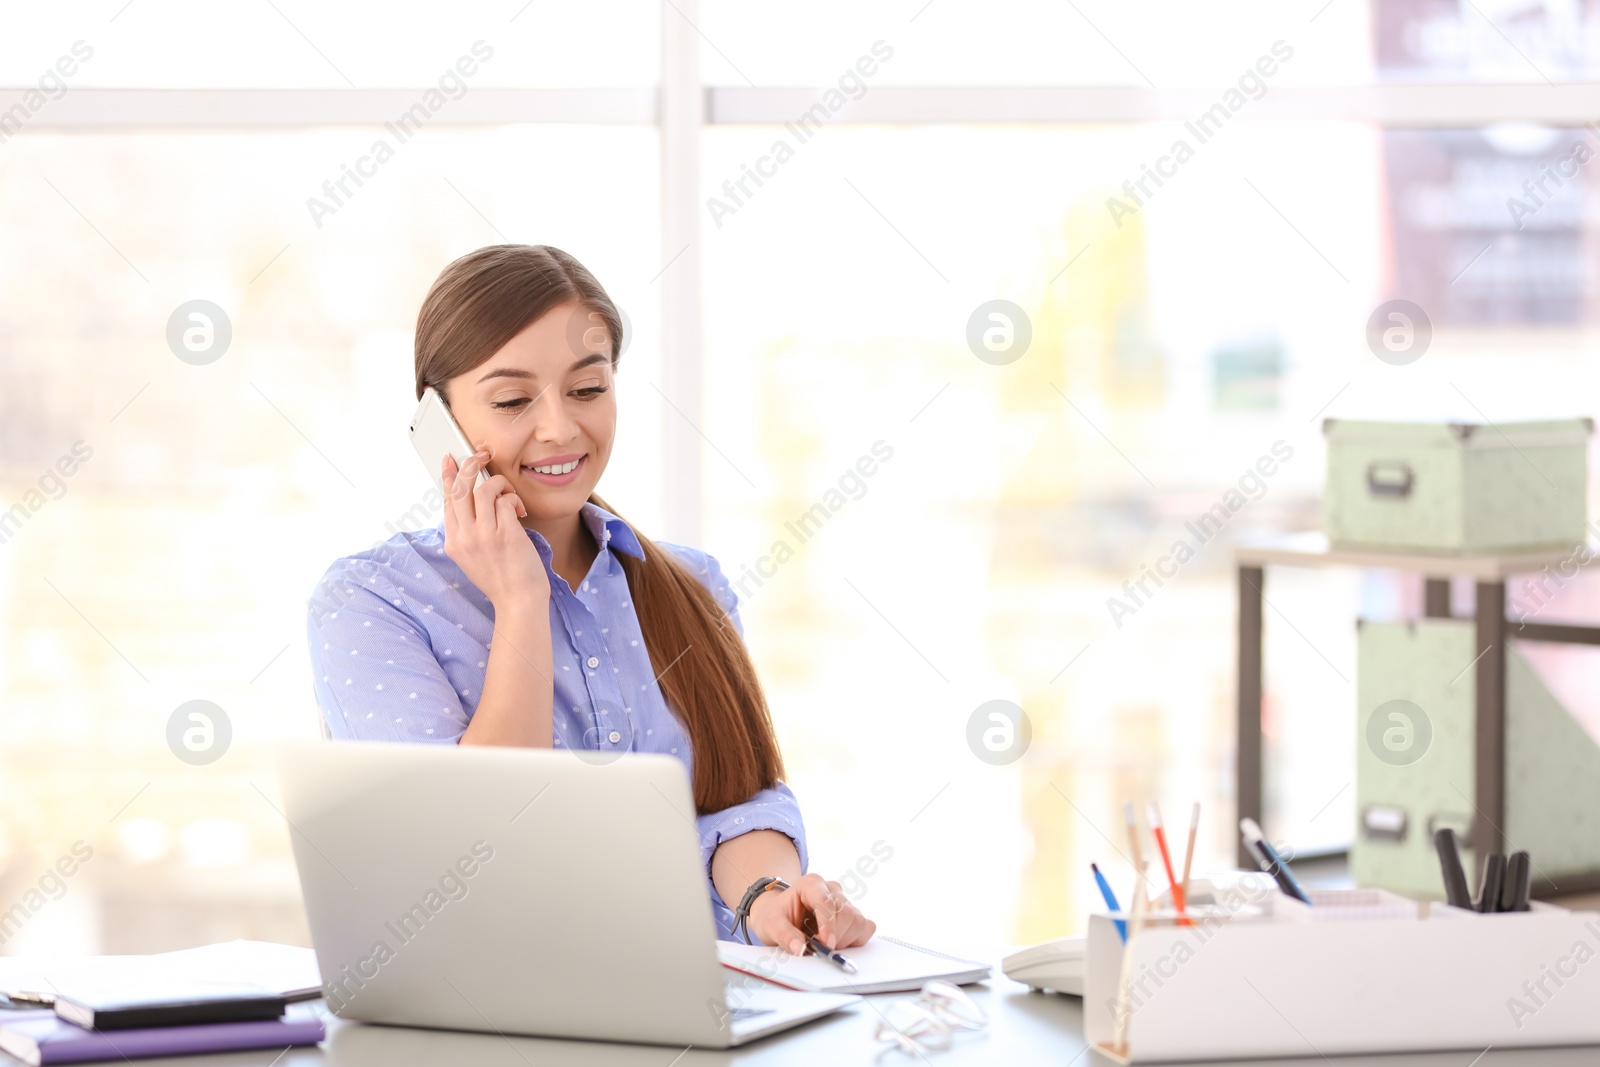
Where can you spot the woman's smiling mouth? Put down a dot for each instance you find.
(557, 470)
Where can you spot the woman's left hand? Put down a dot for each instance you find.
(813, 905)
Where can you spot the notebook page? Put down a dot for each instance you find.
(882, 966)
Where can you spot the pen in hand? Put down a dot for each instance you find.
(819, 949)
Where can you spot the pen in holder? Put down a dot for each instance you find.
(1135, 923)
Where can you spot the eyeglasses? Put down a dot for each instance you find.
(931, 1020)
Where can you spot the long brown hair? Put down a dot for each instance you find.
(477, 304)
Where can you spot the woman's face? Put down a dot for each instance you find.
(544, 407)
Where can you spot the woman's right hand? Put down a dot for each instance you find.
(484, 537)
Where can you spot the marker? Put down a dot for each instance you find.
(819, 949)
(1111, 900)
(1518, 886)
(1153, 812)
(1188, 856)
(1270, 861)
(1494, 876)
(1456, 892)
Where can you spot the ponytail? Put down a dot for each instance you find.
(706, 676)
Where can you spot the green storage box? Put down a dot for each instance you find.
(1415, 765)
(1456, 487)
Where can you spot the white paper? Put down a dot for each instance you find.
(285, 969)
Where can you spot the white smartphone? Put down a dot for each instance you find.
(434, 432)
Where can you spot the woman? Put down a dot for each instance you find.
(533, 616)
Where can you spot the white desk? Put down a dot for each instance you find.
(1024, 1029)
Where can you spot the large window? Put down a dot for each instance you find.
(924, 508)
(175, 562)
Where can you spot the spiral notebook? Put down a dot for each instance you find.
(883, 965)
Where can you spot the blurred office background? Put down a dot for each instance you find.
(1174, 341)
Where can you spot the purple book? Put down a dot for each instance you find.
(40, 1038)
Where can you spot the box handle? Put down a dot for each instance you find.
(1383, 823)
(1390, 478)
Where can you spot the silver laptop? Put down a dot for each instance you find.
(519, 891)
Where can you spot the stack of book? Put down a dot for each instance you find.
(147, 1006)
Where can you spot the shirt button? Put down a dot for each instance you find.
(615, 737)
(594, 661)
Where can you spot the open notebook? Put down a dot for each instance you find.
(883, 965)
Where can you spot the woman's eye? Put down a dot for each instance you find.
(590, 392)
(509, 405)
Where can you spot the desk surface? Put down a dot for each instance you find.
(1024, 1028)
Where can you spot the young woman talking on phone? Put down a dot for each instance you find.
(534, 616)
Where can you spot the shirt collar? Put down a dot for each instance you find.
(610, 531)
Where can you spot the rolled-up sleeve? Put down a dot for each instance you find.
(770, 809)
(374, 673)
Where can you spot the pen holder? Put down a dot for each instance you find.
(1345, 905)
(1358, 971)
